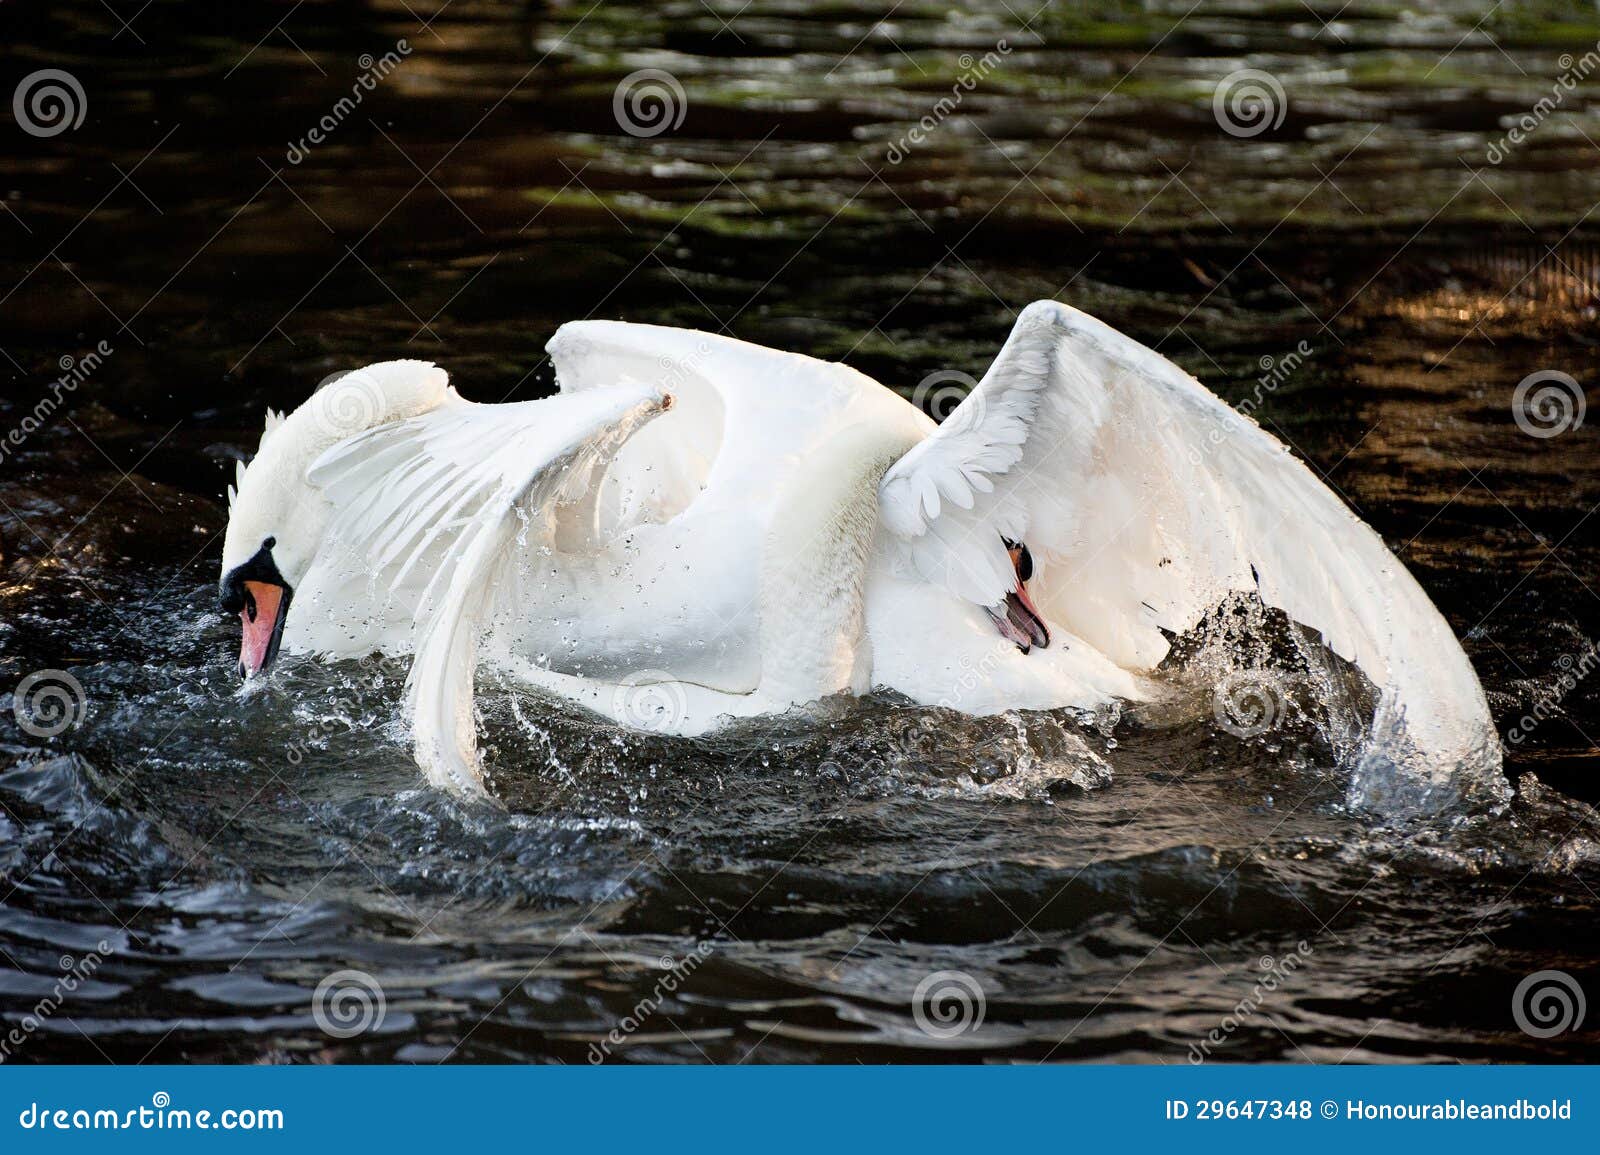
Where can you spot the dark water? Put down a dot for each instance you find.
(201, 863)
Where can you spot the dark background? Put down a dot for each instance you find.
(485, 192)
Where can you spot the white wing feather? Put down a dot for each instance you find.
(1146, 501)
(426, 510)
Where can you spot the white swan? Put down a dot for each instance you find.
(697, 528)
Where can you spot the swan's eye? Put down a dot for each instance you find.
(1021, 559)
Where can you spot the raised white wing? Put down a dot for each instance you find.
(1145, 502)
(426, 511)
(741, 417)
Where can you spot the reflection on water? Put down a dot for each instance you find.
(1343, 236)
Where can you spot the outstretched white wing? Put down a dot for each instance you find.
(741, 418)
(1146, 501)
(426, 510)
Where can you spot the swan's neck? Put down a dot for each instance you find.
(813, 641)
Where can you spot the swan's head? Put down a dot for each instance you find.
(277, 519)
(259, 585)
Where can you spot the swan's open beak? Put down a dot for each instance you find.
(1020, 622)
(1017, 618)
(265, 607)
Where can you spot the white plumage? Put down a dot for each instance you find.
(721, 530)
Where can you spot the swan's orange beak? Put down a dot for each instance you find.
(265, 607)
(1037, 625)
(1017, 618)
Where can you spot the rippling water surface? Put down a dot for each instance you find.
(1361, 270)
